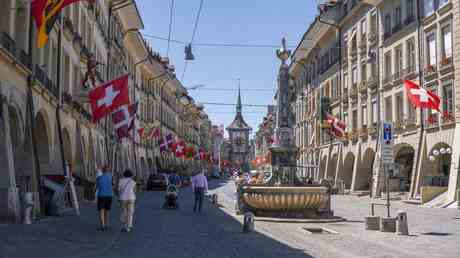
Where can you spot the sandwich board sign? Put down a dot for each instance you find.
(387, 143)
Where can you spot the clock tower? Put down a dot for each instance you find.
(238, 132)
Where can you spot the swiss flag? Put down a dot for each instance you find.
(420, 97)
(123, 120)
(179, 148)
(337, 126)
(108, 97)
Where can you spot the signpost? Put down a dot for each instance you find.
(387, 157)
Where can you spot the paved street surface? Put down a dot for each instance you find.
(218, 233)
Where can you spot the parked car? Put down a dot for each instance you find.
(157, 182)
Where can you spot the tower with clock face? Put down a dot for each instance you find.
(238, 132)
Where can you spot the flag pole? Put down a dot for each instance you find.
(58, 106)
(31, 112)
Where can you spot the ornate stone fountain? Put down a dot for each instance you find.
(283, 194)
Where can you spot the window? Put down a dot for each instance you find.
(399, 107)
(345, 120)
(410, 55)
(431, 49)
(355, 119)
(364, 115)
(398, 16)
(446, 41)
(410, 9)
(387, 65)
(363, 27)
(398, 60)
(431, 115)
(363, 72)
(345, 82)
(387, 24)
(388, 109)
(428, 7)
(448, 100)
(410, 111)
(354, 75)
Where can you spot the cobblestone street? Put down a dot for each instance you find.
(218, 233)
(433, 232)
(157, 233)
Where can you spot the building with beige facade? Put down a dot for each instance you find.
(379, 44)
(33, 96)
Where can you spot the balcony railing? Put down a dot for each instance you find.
(396, 77)
(409, 20)
(387, 81)
(409, 72)
(448, 117)
(429, 72)
(364, 131)
(372, 38)
(396, 28)
(446, 65)
(363, 87)
(372, 130)
(345, 97)
(372, 82)
(354, 91)
(7, 43)
(410, 122)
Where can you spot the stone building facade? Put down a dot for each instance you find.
(379, 44)
(238, 139)
(30, 95)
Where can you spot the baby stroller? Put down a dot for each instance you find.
(171, 198)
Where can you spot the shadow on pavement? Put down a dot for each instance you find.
(157, 233)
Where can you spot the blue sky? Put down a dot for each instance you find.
(261, 22)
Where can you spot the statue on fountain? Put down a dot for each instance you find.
(284, 194)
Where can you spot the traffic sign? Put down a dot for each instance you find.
(387, 143)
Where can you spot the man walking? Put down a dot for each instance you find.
(199, 188)
(104, 197)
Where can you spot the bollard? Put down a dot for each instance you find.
(401, 223)
(372, 222)
(28, 207)
(248, 222)
(215, 199)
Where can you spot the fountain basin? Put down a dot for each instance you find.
(285, 198)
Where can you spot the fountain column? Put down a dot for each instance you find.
(284, 151)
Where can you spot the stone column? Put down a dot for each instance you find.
(9, 196)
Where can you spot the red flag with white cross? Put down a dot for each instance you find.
(179, 148)
(337, 127)
(123, 120)
(108, 97)
(420, 97)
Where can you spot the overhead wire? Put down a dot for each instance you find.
(195, 28)
(218, 44)
(170, 26)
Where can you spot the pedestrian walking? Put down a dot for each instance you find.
(127, 197)
(104, 197)
(199, 188)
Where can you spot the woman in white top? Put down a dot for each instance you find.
(127, 188)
